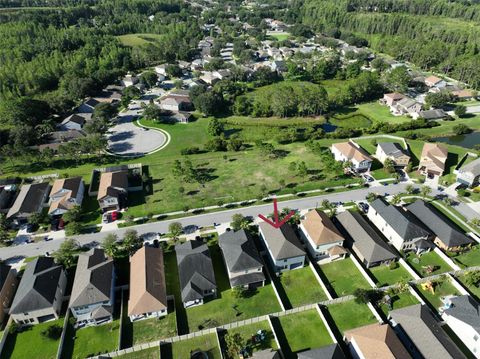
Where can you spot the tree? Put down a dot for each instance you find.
(73, 228)
(239, 222)
(371, 197)
(104, 111)
(389, 165)
(438, 99)
(330, 207)
(398, 79)
(234, 343)
(175, 229)
(396, 199)
(73, 214)
(461, 129)
(302, 169)
(425, 191)
(472, 278)
(215, 128)
(110, 245)
(148, 78)
(410, 189)
(364, 296)
(131, 241)
(173, 70)
(65, 254)
(460, 110)
(152, 112)
(52, 332)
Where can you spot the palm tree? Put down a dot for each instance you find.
(396, 199)
(425, 191)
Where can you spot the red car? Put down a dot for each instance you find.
(114, 216)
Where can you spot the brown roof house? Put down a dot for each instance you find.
(323, 239)
(8, 287)
(112, 190)
(434, 81)
(30, 200)
(65, 194)
(352, 152)
(391, 99)
(148, 298)
(433, 159)
(375, 341)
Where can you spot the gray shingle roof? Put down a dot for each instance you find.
(432, 114)
(283, 242)
(38, 286)
(365, 239)
(93, 278)
(195, 270)
(465, 309)
(473, 167)
(392, 149)
(29, 200)
(438, 224)
(402, 222)
(332, 351)
(425, 332)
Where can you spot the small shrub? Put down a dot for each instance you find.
(393, 265)
(52, 332)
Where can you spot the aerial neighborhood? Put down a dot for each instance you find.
(228, 180)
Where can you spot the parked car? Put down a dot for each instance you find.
(47, 238)
(363, 206)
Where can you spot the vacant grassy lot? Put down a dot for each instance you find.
(248, 331)
(400, 300)
(303, 331)
(30, 343)
(386, 276)
(207, 343)
(135, 40)
(423, 262)
(442, 288)
(350, 315)
(302, 287)
(344, 277)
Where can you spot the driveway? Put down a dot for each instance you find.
(473, 109)
(128, 139)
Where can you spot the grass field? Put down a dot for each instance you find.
(302, 331)
(428, 259)
(135, 40)
(350, 315)
(279, 37)
(344, 277)
(30, 343)
(386, 276)
(399, 301)
(302, 287)
(354, 121)
(247, 331)
(442, 289)
(207, 343)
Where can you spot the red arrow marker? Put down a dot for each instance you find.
(276, 223)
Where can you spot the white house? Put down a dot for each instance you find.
(161, 69)
(463, 317)
(352, 152)
(470, 173)
(65, 194)
(129, 80)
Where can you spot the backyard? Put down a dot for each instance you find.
(475, 290)
(427, 264)
(148, 330)
(248, 331)
(350, 315)
(343, 276)
(469, 258)
(207, 343)
(151, 353)
(302, 331)
(302, 287)
(386, 276)
(398, 301)
(441, 288)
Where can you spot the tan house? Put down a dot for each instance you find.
(433, 159)
(112, 190)
(393, 151)
(464, 94)
(321, 236)
(352, 152)
(375, 341)
(8, 287)
(391, 99)
(65, 194)
(434, 81)
(148, 298)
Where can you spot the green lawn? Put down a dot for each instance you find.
(420, 263)
(152, 353)
(469, 258)
(344, 277)
(351, 121)
(280, 37)
(473, 289)
(206, 343)
(350, 315)
(377, 112)
(247, 331)
(442, 289)
(31, 343)
(386, 276)
(381, 173)
(148, 330)
(400, 300)
(302, 287)
(226, 308)
(303, 331)
(135, 40)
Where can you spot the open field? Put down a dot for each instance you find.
(134, 40)
(302, 287)
(344, 277)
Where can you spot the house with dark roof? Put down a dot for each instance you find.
(469, 174)
(283, 246)
(31, 199)
(148, 291)
(400, 227)
(195, 271)
(75, 121)
(8, 287)
(92, 298)
(432, 115)
(332, 351)
(243, 262)
(322, 238)
(393, 151)
(422, 334)
(266, 354)
(463, 317)
(40, 293)
(369, 247)
(65, 194)
(88, 106)
(447, 235)
(113, 190)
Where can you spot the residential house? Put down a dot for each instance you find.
(433, 159)
(129, 80)
(30, 200)
(8, 287)
(65, 194)
(57, 138)
(243, 262)
(375, 341)
(432, 115)
(88, 106)
(447, 236)
(109, 96)
(161, 69)
(464, 95)
(393, 151)
(75, 121)
(284, 249)
(406, 106)
(92, 298)
(323, 239)
(112, 190)
(422, 333)
(148, 292)
(278, 66)
(40, 293)
(195, 271)
(463, 317)
(391, 99)
(469, 174)
(400, 227)
(364, 240)
(434, 81)
(266, 354)
(332, 351)
(178, 100)
(353, 153)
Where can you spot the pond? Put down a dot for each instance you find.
(468, 141)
